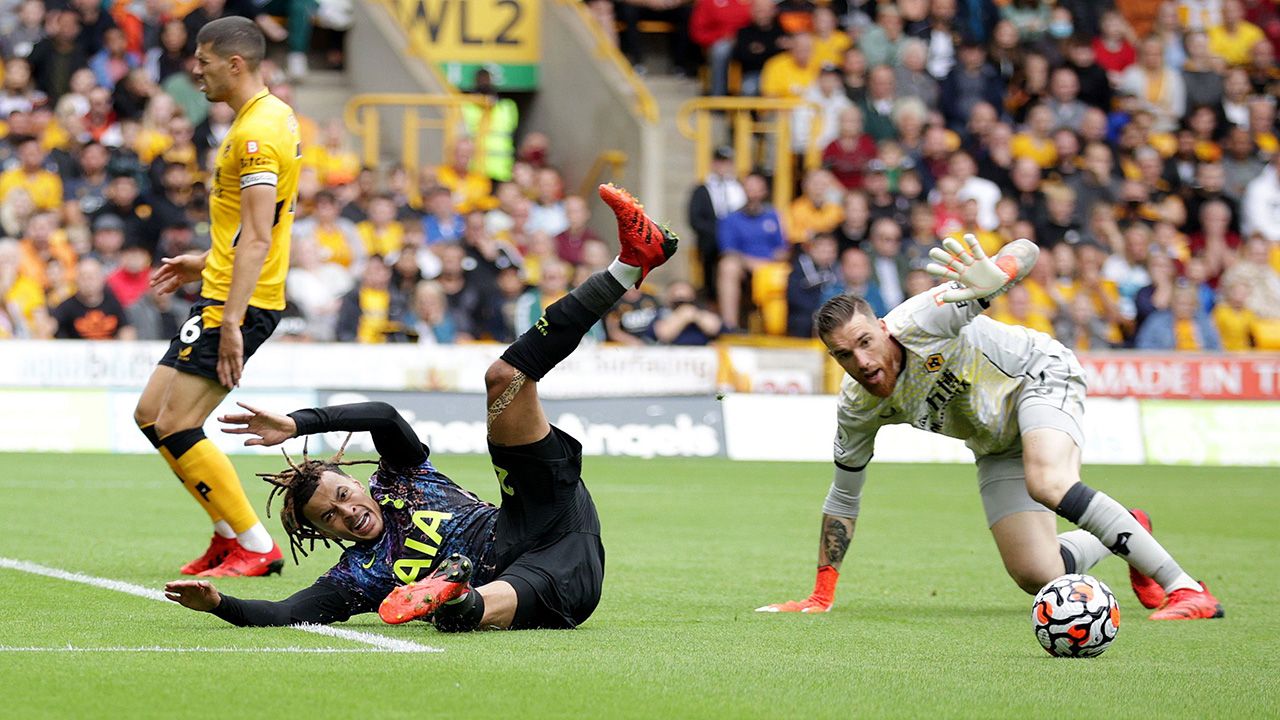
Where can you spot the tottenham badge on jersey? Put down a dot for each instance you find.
(251, 147)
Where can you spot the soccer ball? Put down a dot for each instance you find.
(1075, 616)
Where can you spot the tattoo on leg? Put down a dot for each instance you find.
(517, 382)
(835, 541)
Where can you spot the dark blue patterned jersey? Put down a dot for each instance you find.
(425, 517)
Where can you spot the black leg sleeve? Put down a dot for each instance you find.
(557, 333)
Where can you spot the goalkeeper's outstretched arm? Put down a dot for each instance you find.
(839, 518)
(979, 276)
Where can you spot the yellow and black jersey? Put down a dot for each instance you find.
(263, 147)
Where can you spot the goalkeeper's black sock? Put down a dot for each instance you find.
(461, 615)
(1122, 535)
(557, 333)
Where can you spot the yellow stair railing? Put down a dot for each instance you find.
(749, 119)
(607, 166)
(363, 117)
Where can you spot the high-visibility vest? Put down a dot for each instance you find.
(499, 143)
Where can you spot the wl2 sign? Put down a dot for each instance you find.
(461, 36)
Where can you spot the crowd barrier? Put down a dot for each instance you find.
(67, 396)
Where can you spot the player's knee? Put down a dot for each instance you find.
(1048, 485)
(1029, 578)
(499, 376)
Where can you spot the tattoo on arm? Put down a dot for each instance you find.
(500, 404)
(836, 534)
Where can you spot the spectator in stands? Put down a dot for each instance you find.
(1095, 85)
(856, 227)
(857, 278)
(1233, 318)
(848, 154)
(157, 317)
(889, 264)
(854, 70)
(441, 223)
(814, 279)
(1261, 205)
(23, 312)
(1215, 243)
(749, 238)
(107, 242)
(882, 43)
(28, 29)
(1080, 328)
(1017, 309)
(971, 81)
(631, 320)
(911, 78)
(1096, 182)
(829, 41)
(570, 242)
(817, 210)
(58, 55)
(713, 24)
(755, 43)
(131, 277)
(1256, 270)
(990, 241)
(114, 60)
(1240, 162)
(882, 202)
(827, 93)
(30, 174)
(1058, 224)
(964, 169)
(677, 12)
(19, 93)
(316, 286)
(711, 202)
(547, 213)
(43, 243)
(169, 57)
(466, 295)
(1064, 99)
(1202, 72)
(1155, 86)
(877, 107)
(337, 239)
(790, 73)
(552, 285)
(381, 234)
(682, 320)
(373, 310)
(1233, 39)
(431, 323)
(1181, 327)
(1264, 76)
(942, 37)
(93, 313)
(1034, 142)
(1090, 282)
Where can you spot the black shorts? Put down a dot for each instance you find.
(195, 348)
(548, 533)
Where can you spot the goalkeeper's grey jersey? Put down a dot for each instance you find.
(962, 376)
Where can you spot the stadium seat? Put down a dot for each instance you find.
(769, 293)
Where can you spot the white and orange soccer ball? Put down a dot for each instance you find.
(1075, 616)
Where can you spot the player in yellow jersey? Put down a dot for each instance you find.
(251, 205)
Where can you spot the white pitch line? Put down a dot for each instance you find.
(198, 649)
(382, 642)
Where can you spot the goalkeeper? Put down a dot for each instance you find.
(1017, 397)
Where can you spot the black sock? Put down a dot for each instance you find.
(152, 436)
(463, 615)
(557, 333)
(1068, 559)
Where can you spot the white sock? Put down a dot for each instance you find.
(255, 539)
(626, 275)
(1112, 524)
(223, 530)
(1085, 550)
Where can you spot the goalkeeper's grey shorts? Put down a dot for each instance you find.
(1052, 398)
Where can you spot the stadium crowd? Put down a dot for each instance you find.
(1137, 145)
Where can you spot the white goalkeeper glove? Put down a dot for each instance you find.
(980, 275)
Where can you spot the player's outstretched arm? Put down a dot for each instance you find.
(837, 532)
(978, 276)
(393, 437)
(321, 603)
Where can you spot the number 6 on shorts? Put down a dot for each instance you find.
(190, 330)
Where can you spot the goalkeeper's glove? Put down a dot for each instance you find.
(980, 275)
(823, 597)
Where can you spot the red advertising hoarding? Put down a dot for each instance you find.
(1209, 377)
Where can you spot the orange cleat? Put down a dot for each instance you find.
(1186, 604)
(1149, 592)
(243, 563)
(644, 243)
(451, 580)
(219, 548)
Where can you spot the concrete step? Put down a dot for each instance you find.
(322, 94)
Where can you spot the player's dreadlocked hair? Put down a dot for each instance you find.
(296, 484)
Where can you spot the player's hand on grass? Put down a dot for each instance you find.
(808, 605)
(175, 272)
(195, 594)
(230, 355)
(980, 275)
(267, 428)
(819, 601)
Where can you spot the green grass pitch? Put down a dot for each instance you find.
(926, 622)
